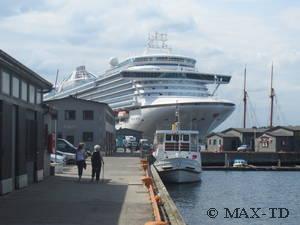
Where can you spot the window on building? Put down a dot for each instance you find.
(24, 91)
(220, 141)
(214, 142)
(88, 115)
(31, 94)
(87, 136)
(209, 141)
(15, 87)
(70, 115)
(38, 96)
(70, 138)
(265, 144)
(5, 83)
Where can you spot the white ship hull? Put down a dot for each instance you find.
(179, 170)
(200, 116)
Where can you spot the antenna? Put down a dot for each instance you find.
(158, 41)
(245, 97)
(272, 94)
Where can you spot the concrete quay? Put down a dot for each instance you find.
(61, 200)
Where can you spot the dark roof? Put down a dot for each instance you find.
(19, 68)
(247, 130)
(292, 128)
(279, 134)
(223, 135)
(78, 99)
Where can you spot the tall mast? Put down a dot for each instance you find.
(272, 94)
(245, 98)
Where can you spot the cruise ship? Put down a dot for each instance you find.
(146, 90)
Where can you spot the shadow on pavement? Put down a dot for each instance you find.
(64, 200)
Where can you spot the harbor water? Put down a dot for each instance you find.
(236, 197)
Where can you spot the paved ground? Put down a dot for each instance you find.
(121, 199)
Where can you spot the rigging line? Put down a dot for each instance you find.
(283, 117)
(252, 110)
(238, 111)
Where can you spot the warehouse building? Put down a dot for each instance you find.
(90, 122)
(22, 137)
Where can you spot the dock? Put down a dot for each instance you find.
(253, 168)
(121, 199)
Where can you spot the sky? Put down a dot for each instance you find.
(222, 35)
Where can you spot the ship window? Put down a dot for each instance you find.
(168, 137)
(160, 138)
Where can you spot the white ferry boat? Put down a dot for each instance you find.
(144, 91)
(177, 155)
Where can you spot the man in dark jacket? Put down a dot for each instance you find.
(97, 161)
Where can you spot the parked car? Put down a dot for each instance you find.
(58, 158)
(243, 148)
(63, 147)
(238, 163)
(70, 157)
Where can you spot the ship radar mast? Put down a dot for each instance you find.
(158, 42)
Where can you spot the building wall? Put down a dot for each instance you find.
(265, 143)
(217, 143)
(21, 126)
(214, 143)
(231, 144)
(102, 125)
(296, 142)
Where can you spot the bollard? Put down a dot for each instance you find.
(145, 166)
(147, 181)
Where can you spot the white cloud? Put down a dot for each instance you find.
(223, 37)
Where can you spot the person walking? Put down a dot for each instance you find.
(80, 160)
(96, 161)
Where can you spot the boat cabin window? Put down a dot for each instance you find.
(160, 138)
(185, 137)
(168, 137)
(175, 137)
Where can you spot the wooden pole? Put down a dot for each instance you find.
(272, 94)
(245, 98)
